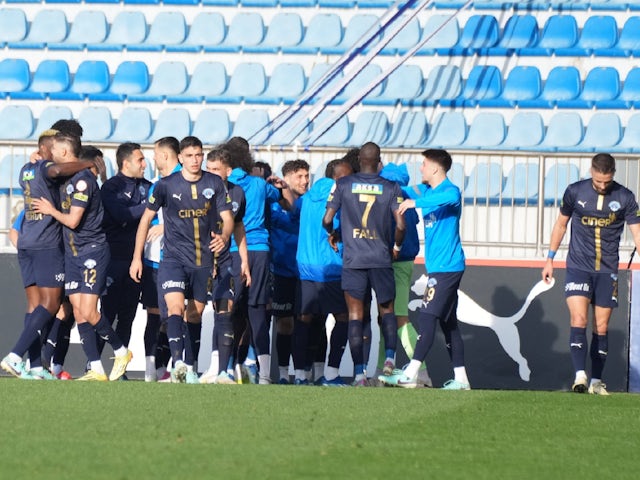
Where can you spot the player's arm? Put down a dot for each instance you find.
(557, 234)
(284, 194)
(327, 224)
(135, 269)
(117, 206)
(634, 228)
(61, 170)
(70, 220)
(399, 233)
(219, 242)
(240, 236)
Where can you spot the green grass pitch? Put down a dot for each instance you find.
(133, 430)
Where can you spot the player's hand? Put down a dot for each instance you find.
(42, 205)
(333, 240)
(155, 232)
(406, 205)
(217, 243)
(547, 271)
(395, 254)
(245, 273)
(35, 156)
(135, 270)
(277, 182)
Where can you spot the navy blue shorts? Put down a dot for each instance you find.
(43, 268)
(321, 298)
(441, 295)
(149, 282)
(356, 282)
(193, 283)
(87, 273)
(283, 295)
(259, 292)
(600, 288)
(223, 283)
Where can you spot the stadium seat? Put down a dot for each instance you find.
(286, 84)
(603, 133)
(484, 83)
(629, 95)
(402, 85)
(208, 81)
(259, 3)
(50, 76)
(91, 77)
(14, 76)
(133, 125)
(405, 40)
(372, 3)
(336, 3)
(168, 28)
(131, 78)
(249, 123)
(128, 28)
(599, 34)
(457, 176)
(448, 131)
(564, 132)
(559, 32)
(443, 85)
(521, 186)
(337, 135)
(248, 79)
(170, 78)
(298, 3)
(370, 126)
(88, 27)
(285, 30)
(13, 25)
(557, 179)
(206, 31)
(484, 184)
(291, 132)
(522, 83)
(442, 33)
(225, 3)
(409, 130)
(324, 30)
(601, 85)
(361, 81)
(245, 30)
(48, 26)
(629, 41)
(212, 126)
(358, 26)
(526, 132)
(563, 83)
(487, 130)
(16, 122)
(10, 167)
(48, 117)
(172, 122)
(479, 34)
(97, 124)
(317, 72)
(520, 31)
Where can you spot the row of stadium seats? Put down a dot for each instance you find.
(488, 130)
(325, 33)
(210, 82)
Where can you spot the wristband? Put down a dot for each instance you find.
(396, 247)
(551, 254)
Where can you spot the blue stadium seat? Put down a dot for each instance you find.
(599, 34)
(13, 25)
(362, 80)
(487, 130)
(286, 84)
(457, 176)
(97, 124)
(402, 85)
(133, 125)
(249, 123)
(372, 3)
(443, 85)
(629, 41)
(405, 40)
(172, 122)
(522, 83)
(479, 34)
(10, 167)
(220, 2)
(337, 135)
(563, 83)
(16, 122)
(285, 136)
(324, 30)
(443, 33)
(48, 26)
(170, 78)
(259, 3)
(521, 186)
(564, 132)
(520, 31)
(629, 95)
(285, 30)
(631, 138)
(526, 131)
(188, 2)
(484, 184)
(168, 28)
(560, 32)
(370, 126)
(355, 29)
(448, 131)
(128, 28)
(601, 85)
(248, 79)
(317, 72)
(207, 30)
(336, 3)
(298, 3)
(557, 179)
(131, 78)
(484, 83)
(48, 117)
(409, 130)
(212, 126)
(245, 30)
(14, 76)
(91, 77)
(50, 76)
(88, 27)
(603, 133)
(208, 81)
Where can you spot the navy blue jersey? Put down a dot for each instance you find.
(597, 222)
(190, 211)
(238, 207)
(367, 202)
(82, 190)
(38, 231)
(124, 200)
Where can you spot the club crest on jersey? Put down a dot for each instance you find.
(69, 189)
(431, 282)
(28, 175)
(208, 193)
(142, 190)
(81, 185)
(366, 188)
(90, 263)
(614, 206)
(234, 207)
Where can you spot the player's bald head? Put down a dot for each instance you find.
(369, 156)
